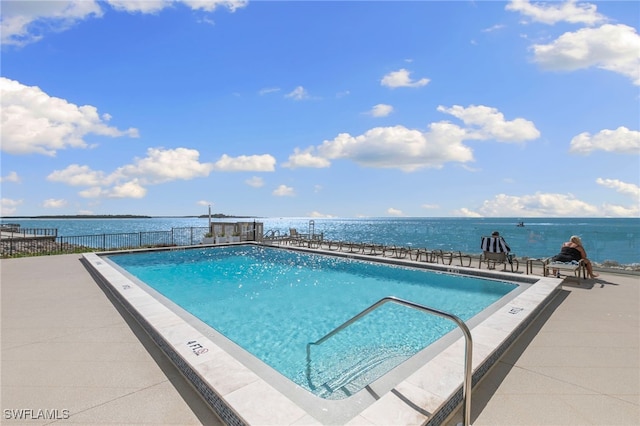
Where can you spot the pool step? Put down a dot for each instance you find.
(364, 371)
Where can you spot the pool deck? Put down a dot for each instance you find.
(68, 348)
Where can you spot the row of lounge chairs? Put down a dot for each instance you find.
(492, 256)
(376, 249)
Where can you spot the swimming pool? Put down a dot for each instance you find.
(273, 302)
(249, 312)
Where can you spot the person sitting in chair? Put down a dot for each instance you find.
(497, 244)
(573, 250)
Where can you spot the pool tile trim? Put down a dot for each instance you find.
(428, 396)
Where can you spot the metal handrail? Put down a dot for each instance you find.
(468, 346)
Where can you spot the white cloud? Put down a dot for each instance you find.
(204, 203)
(306, 158)
(284, 191)
(319, 215)
(268, 90)
(488, 123)
(538, 205)
(408, 149)
(402, 78)
(77, 175)
(400, 147)
(621, 140)
(164, 165)
(298, 94)
(394, 212)
(133, 6)
(9, 206)
(630, 189)
(610, 47)
(11, 177)
(610, 210)
(553, 12)
(255, 181)
(52, 203)
(553, 205)
(465, 212)
(493, 28)
(160, 165)
(211, 5)
(131, 189)
(53, 123)
(24, 22)
(381, 110)
(245, 163)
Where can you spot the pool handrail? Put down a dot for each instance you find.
(468, 346)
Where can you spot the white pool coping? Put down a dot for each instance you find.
(241, 396)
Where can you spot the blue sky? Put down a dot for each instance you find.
(321, 109)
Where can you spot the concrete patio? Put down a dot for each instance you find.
(70, 354)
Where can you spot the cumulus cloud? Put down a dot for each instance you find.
(9, 206)
(284, 191)
(538, 205)
(25, 22)
(164, 165)
(402, 78)
(381, 110)
(246, 163)
(485, 122)
(306, 158)
(298, 94)
(465, 212)
(129, 181)
(610, 47)
(131, 189)
(52, 203)
(556, 205)
(394, 212)
(11, 177)
(407, 149)
(255, 181)
(630, 189)
(553, 12)
(53, 123)
(621, 140)
(320, 215)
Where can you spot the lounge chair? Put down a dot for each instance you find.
(574, 267)
(495, 252)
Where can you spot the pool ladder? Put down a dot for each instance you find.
(468, 346)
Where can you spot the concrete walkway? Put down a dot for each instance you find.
(67, 348)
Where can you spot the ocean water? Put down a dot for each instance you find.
(615, 240)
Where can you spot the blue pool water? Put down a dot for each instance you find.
(273, 302)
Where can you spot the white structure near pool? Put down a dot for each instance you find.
(254, 329)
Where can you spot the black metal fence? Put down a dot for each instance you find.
(41, 243)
